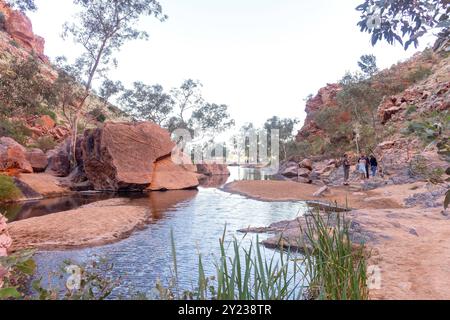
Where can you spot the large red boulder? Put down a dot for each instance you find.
(13, 156)
(170, 176)
(59, 160)
(38, 159)
(121, 156)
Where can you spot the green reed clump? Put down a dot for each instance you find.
(337, 269)
(244, 274)
(330, 269)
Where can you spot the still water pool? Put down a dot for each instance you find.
(197, 219)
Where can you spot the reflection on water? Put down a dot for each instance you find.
(239, 174)
(197, 218)
(30, 209)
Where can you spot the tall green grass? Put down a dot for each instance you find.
(330, 269)
(337, 269)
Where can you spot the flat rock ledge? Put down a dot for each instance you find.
(292, 235)
(80, 228)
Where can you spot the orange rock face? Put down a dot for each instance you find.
(121, 156)
(19, 28)
(37, 159)
(170, 176)
(13, 156)
(326, 98)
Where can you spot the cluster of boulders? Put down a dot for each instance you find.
(394, 108)
(45, 126)
(298, 171)
(15, 158)
(129, 157)
(115, 157)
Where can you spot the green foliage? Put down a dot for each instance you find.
(98, 115)
(19, 268)
(211, 117)
(330, 269)
(13, 43)
(23, 5)
(45, 143)
(8, 190)
(242, 274)
(46, 111)
(15, 130)
(337, 270)
(419, 74)
(182, 108)
(368, 65)
(95, 280)
(23, 89)
(411, 109)
(419, 167)
(404, 22)
(149, 103)
(429, 126)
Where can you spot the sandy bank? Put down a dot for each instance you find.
(83, 227)
(45, 184)
(293, 191)
(410, 246)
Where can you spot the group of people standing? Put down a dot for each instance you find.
(365, 167)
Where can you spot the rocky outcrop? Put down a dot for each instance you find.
(45, 126)
(59, 160)
(5, 240)
(37, 159)
(169, 176)
(13, 157)
(213, 169)
(42, 184)
(326, 98)
(121, 156)
(297, 171)
(18, 26)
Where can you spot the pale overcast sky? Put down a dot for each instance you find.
(260, 57)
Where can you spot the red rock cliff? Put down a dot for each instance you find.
(19, 28)
(326, 98)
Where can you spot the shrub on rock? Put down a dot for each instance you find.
(8, 190)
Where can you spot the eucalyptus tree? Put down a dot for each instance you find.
(102, 27)
(404, 21)
(23, 5)
(368, 65)
(285, 129)
(188, 98)
(145, 102)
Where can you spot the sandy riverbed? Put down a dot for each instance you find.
(93, 225)
(410, 245)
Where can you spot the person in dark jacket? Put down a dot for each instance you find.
(367, 167)
(373, 165)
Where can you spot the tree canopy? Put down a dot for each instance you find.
(404, 21)
(23, 5)
(145, 102)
